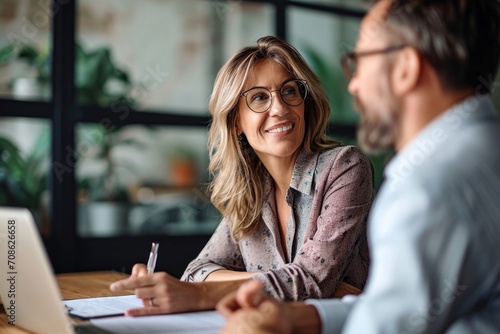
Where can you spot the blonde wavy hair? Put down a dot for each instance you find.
(237, 174)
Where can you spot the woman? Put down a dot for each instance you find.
(294, 201)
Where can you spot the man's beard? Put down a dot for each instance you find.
(377, 129)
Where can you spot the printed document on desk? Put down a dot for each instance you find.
(205, 322)
(88, 308)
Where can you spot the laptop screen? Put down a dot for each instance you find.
(30, 295)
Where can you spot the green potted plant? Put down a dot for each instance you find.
(23, 177)
(98, 80)
(35, 82)
(104, 185)
(104, 199)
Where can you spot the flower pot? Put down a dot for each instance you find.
(103, 219)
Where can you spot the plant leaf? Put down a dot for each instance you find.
(7, 53)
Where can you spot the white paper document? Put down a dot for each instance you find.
(206, 322)
(87, 308)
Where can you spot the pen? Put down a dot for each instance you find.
(153, 255)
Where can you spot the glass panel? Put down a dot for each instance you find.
(240, 24)
(143, 180)
(333, 36)
(24, 166)
(167, 52)
(350, 4)
(25, 49)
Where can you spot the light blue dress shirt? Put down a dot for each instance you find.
(434, 234)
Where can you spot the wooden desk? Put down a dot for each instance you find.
(76, 285)
(96, 284)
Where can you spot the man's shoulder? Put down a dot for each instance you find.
(466, 153)
(462, 169)
(445, 157)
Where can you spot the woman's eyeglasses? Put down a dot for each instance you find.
(260, 99)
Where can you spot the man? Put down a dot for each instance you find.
(422, 70)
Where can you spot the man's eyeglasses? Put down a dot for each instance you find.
(259, 99)
(350, 59)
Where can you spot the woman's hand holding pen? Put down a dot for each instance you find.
(161, 293)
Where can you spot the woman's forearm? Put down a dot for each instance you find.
(228, 275)
(218, 284)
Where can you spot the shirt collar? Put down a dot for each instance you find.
(302, 175)
(304, 171)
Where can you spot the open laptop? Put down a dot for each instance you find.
(29, 292)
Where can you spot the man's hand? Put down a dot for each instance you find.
(249, 310)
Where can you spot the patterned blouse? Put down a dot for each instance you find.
(330, 195)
